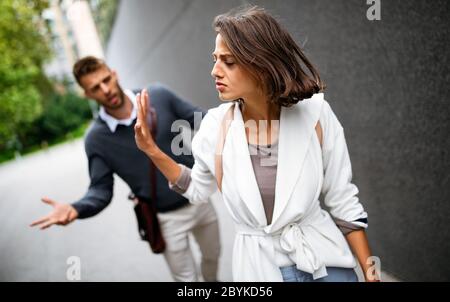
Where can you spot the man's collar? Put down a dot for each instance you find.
(112, 122)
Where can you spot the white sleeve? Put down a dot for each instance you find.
(199, 183)
(340, 194)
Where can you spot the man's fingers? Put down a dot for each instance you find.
(72, 216)
(48, 224)
(40, 220)
(48, 201)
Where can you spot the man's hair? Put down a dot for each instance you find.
(269, 53)
(86, 66)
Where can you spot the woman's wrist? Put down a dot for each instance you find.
(152, 151)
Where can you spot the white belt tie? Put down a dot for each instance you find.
(293, 240)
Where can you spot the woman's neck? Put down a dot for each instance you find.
(260, 109)
(261, 119)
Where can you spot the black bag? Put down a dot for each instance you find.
(148, 225)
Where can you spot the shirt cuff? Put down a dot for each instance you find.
(347, 227)
(182, 183)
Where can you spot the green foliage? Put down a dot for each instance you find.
(32, 114)
(64, 116)
(64, 113)
(23, 49)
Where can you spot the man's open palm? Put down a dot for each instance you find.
(62, 214)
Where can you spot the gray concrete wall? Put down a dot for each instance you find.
(387, 82)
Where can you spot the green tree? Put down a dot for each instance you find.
(23, 50)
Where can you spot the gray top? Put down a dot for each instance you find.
(265, 162)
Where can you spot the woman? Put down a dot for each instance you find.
(283, 148)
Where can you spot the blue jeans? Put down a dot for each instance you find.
(335, 274)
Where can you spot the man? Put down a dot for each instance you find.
(111, 148)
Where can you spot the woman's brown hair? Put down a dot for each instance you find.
(264, 48)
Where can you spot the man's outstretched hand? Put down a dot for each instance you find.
(62, 214)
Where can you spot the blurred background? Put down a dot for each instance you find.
(387, 81)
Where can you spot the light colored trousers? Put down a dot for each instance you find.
(201, 221)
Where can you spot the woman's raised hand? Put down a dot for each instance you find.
(142, 135)
(145, 142)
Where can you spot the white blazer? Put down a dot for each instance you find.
(300, 229)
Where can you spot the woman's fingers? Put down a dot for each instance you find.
(139, 111)
(142, 104)
(142, 113)
(143, 136)
(145, 101)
